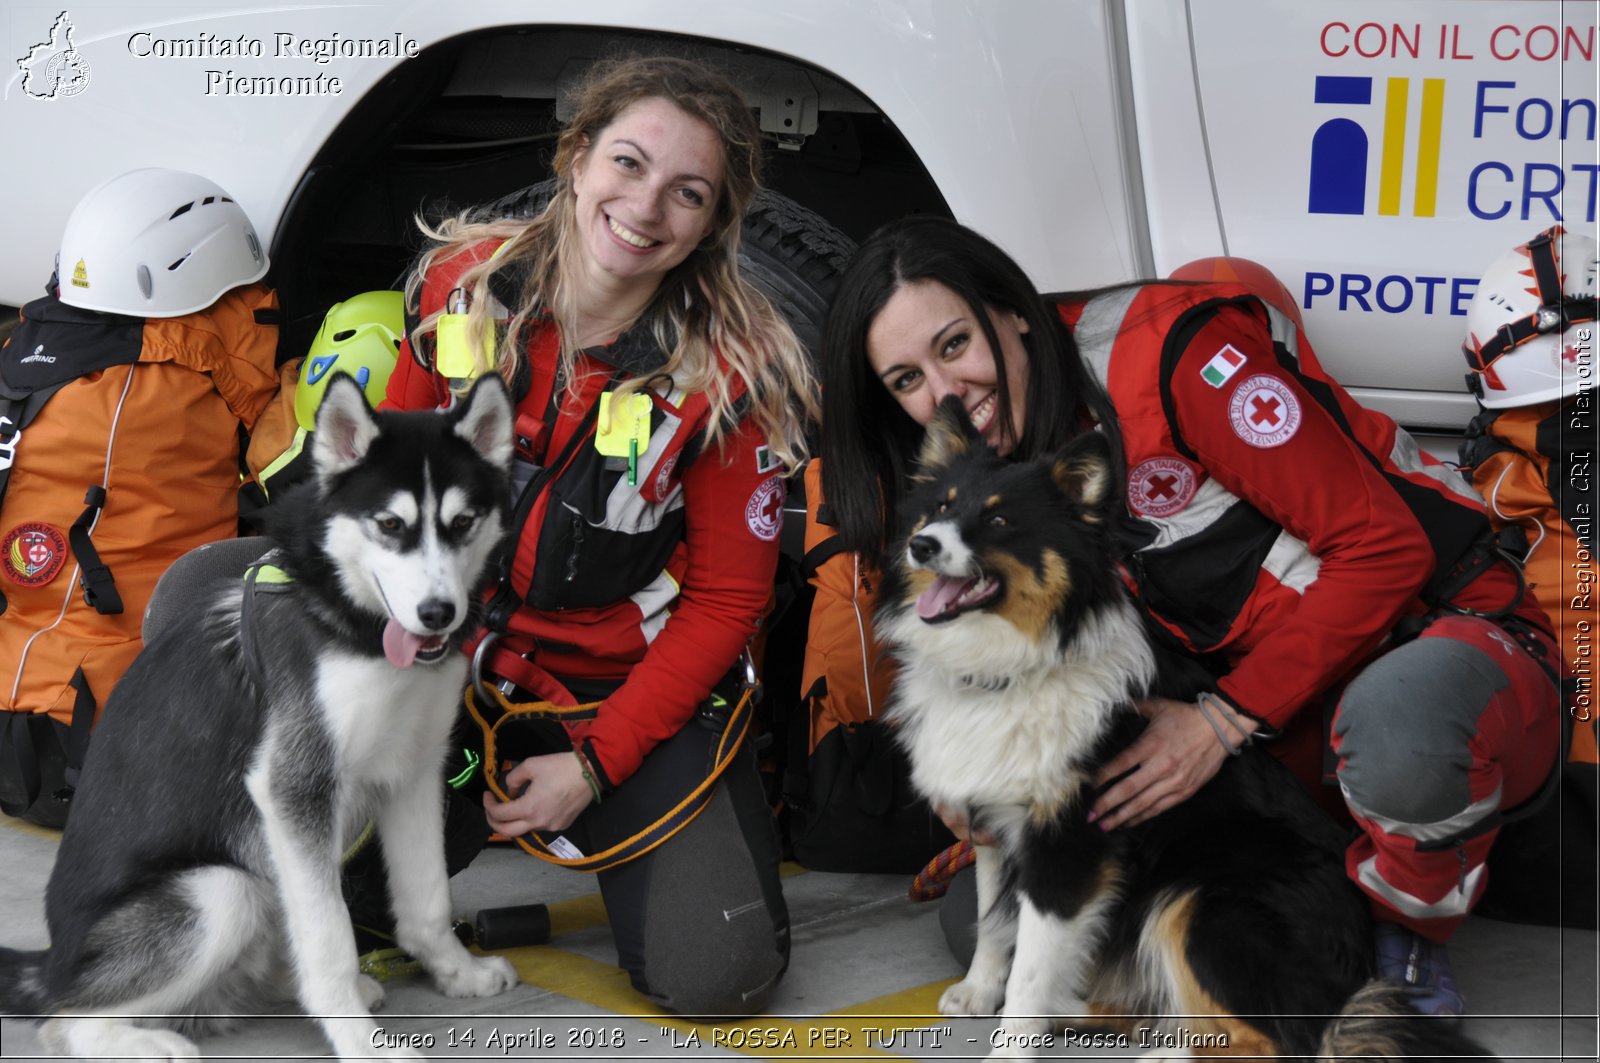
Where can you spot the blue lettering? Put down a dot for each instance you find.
(1482, 106)
(1428, 285)
(1534, 103)
(1317, 284)
(1461, 292)
(1530, 193)
(1472, 190)
(1585, 109)
(1591, 169)
(1403, 284)
(1354, 286)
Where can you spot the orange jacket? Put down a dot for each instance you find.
(159, 427)
(1538, 475)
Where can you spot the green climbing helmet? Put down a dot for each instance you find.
(359, 337)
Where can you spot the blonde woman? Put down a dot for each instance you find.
(647, 531)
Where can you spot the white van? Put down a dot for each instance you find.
(1375, 154)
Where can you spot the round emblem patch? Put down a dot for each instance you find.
(33, 553)
(1160, 487)
(664, 475)
(764, 512)
(1264, 412)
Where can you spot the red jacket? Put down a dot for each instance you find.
(670, 574)
(1293, 528)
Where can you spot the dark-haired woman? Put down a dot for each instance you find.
(1302, 542)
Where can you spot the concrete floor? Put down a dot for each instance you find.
(866, 975)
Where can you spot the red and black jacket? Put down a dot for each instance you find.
(1291, 530)
(655, 586)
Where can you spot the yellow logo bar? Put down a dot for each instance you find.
(1428, 138)
(1394, 146)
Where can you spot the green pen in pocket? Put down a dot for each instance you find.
(623, 435)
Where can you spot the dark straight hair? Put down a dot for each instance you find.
(868, 441)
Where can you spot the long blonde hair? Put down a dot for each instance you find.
(711, 322)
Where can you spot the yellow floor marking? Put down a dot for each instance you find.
(861, 1030)
(49, 834)
(867, 1029)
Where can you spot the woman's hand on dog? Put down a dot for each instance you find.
(1177, 754)
(551, 793)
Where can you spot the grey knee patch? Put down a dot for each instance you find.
(958, 916)
(712, 944)
(1404, 728)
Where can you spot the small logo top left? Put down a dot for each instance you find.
(55, 69)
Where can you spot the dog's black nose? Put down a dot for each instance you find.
(923, 548)
(436, 613)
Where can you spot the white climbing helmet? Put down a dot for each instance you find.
(1523, 340)
(156, 243)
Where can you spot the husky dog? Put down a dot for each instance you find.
(1226, 922)
(250, 743)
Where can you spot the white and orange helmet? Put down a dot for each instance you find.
(1523, 340)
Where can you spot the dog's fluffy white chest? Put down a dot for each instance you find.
(386, 722)
(991, 718)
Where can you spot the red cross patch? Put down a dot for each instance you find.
(1264, 412)
(1160, 487)
(764, 512)
(33, 553)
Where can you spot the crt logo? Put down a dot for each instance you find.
(1340, 148)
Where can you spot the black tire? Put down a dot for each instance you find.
(792, 254)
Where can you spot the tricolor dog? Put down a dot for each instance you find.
(1225, 922)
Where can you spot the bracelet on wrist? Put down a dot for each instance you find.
(1211, 707)
(588, 774)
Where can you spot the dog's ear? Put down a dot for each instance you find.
(949, 435)
(345, 426)
(1083, 470)
(486, 420)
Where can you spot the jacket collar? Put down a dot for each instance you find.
(635, 352)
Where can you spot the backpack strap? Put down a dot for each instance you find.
(99, 586)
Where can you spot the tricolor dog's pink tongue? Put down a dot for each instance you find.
(400, 645)
(936, 600)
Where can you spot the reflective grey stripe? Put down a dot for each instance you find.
(1211, 500)
(1456, 902)
(1467, 818)
(1097, 328)
(653, 601)
(627, 510)
(1407, 457)
(1291, 562)
(1284, 330)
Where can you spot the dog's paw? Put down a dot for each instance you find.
(370, 990)
(972, 997)
(478, 976)
(93, 1038)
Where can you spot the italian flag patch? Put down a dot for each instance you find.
(1222, 366)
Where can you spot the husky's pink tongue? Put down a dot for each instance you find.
(400, 645)
(937, 599)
